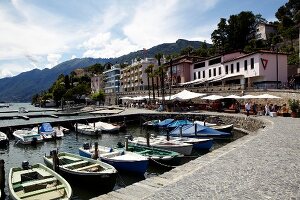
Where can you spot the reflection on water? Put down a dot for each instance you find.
(14, 154)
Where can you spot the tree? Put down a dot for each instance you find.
(219, 36)
(158, 57)
(148, 71)
(67, 82)
(99, 96)
(186, 51)
(58, 92)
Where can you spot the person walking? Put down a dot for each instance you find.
(248, 108)
(267, 109)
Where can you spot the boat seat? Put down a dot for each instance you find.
(16, 178)
(87, 167)
(76, 163)
(39, 181)
(37, 192)
(69, 158)
(145, 151)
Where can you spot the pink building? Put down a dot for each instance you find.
(255, 69)
(97, 83)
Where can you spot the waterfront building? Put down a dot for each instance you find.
(97, 83)
(179, 69)
(258, 69)
(134, 77)
(111, 79)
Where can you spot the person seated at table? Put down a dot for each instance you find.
(284, 109)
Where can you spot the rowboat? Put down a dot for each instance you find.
(178, 123)
(171, 145)
(93, 174)
(27, 136)
(37, 182)
(165, 123)
(196, 130)
(157, 156)
(151, 123)
(3, 139)
(122, 160)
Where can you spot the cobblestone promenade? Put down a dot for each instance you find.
(262, 165)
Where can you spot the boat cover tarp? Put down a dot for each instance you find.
(177, 123)
(165, 122)
(46, 127)
(189, 131)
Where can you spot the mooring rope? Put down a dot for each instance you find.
(169, 166)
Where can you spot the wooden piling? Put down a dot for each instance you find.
(126, 143)
(2, 177)
(180, 131)
(55, 161)
(96, 156)
(196, 129)
(148, 138)
(76, 127)
(168, 134)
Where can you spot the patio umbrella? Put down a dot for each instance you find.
(268, 96)
(249, 96)
(213, 97)
(232, 97)
(126, 98)
(185, 95)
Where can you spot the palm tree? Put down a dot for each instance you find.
(158, 57)
(148, 72)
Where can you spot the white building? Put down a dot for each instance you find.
(264, 30)
(255, 69)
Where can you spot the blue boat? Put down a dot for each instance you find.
(197, 130)
(47, 131)
(122, 160)
(178, 123)
(165, 123)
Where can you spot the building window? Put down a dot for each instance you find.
(252, 63)
(195, 76)
(203, 74)
(214, 61)
(231, 68)
(209, 73)
(237, 67)
(199, 65)
(245, 65)
(215, 71)
(220, 70)
(199, 74)
(226, 69)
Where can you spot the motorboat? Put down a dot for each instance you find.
(27, 136)
(105, 127)
(87, 129)
(49, 133)
(3, 139)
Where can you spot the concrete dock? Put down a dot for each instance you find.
(261, 165)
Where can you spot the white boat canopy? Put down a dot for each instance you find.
(232, 97)
(249, 96)
(213, 97)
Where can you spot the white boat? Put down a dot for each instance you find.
(177, 146)
(87, 129)
(37, 182)
(48, 132)
(105, 127)
(27, 136)
(122, 160)
(225, 128)
(198, 143)
(3, 139)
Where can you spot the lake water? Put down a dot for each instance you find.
(14, 154)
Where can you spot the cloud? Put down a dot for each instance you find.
(5, 73)
(113, 48)
(53, 60)
(73, 56)
(99, 40)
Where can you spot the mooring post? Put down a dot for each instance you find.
(124, 120)
(39, 132)
(180, 131)
(195, 128)
(168, 134)
(2, 178)
(76, 127)
(96, 156)
(55, 161)
(148, 138)
(126, 143)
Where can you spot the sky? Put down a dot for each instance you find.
(43, 33)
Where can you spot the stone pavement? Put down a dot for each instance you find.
(262, 165)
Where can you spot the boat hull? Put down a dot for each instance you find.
(3, 143)
(102, 182)
(133, 166)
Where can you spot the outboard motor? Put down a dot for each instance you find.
(86, 146)
(25, 165)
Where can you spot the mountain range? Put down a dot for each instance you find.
(22, 87)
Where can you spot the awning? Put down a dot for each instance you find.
(196, 81)
(268, 96)
(184, 95)
(249, 96)
(232, 97)
(226, 76)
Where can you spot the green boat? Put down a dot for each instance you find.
(156, 155)
(37, 182)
